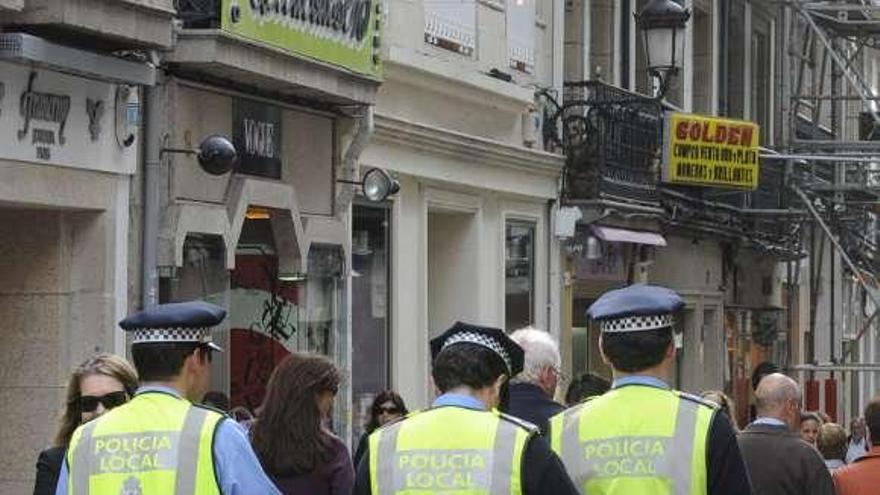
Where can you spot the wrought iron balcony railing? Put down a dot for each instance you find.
(199, 14)
(613, 138)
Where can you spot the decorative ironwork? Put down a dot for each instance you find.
(612, 139)
(199, 14)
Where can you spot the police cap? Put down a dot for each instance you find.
(636, 308)
(493, 339)
(185, 322)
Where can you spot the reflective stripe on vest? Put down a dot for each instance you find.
(644, 460)
(493, 470)
(105, 458)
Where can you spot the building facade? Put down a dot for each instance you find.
(469, 235)
(69, 155)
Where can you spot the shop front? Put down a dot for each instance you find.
(70, 142)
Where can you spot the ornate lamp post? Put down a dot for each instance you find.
(662, 23)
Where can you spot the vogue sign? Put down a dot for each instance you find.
(257, 137)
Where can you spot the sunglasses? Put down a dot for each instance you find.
(388, 410)
(88, 403)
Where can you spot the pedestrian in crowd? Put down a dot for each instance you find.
(532, 390)
(584, 386)
(810, 423)
(642, 437)
(763, 369)
(217, 400)
(97, 385)
(724, 403)
(857, 444)
(388, 406)
(779, 462)
(290, 435)
(463, 444)
(162, 441)
(862, 477)
(831, 443)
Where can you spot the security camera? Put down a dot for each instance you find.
(217, 155)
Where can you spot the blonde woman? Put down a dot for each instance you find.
(96, 386)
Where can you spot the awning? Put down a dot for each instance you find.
(614, 234)
(29, 49)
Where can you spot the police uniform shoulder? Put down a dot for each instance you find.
(531, 427)
(697, 399)
(396, 421)
(214, 410)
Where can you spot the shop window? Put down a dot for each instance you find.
(370, 290)
(519, 275)
(323, 327)
(203, 276)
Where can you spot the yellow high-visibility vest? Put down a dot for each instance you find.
(156, 443)
(450, 450)
(635, 440)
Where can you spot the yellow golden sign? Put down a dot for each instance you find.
(710, 151)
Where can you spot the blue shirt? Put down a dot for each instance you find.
(459, 400)
(769, 421)
(237, 467)
(649, 381)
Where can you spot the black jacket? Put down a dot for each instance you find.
(48, 469)
(528, 402)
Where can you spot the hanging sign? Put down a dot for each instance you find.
(58, 119)
(709, 151)
(340, 32)
(257, 138)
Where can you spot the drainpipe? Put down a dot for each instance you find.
(349, 171)
(152, 144)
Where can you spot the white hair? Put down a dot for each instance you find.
(541, 352)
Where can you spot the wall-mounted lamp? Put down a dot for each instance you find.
(216, 154)
(376, 185)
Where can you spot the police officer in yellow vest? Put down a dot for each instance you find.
(641, 437)
(161, 442)
(463, 444)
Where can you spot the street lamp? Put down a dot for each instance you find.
(216, 154)
(376, 185)
(662, 23)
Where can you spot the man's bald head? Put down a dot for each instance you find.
(773, 396)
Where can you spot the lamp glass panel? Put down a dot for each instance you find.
(376, 185)
(680, 41)
(659, 47)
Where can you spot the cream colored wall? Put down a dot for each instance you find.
(457, 235)
(63, 256)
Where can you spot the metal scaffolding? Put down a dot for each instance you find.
(831, 129)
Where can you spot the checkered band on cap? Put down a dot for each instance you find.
(636, 323)
(156, 335)
(480, 339)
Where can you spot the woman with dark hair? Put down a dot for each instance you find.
(387, 406)
(95, 386)
(290, 438)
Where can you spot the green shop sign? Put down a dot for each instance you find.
(339, 32)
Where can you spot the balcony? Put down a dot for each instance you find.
(292, 59)
(106, 24)
(613, 139)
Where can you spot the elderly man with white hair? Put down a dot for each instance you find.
(532, 391)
